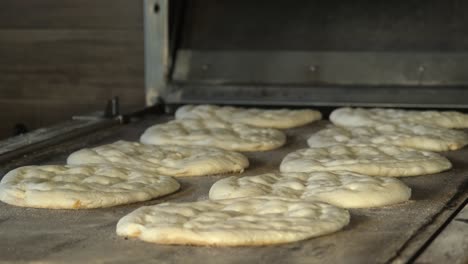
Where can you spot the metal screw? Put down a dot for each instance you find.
(156, 8)
(421, 70)
(312, 68)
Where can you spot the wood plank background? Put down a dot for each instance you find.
(60, 58)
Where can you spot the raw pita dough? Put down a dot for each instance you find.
(81, 187)
(412, 136)
(343, 189)
(377, 116)
(373, 160)
(274, 118)
(169, 160)
(233, 222)
(230, 136)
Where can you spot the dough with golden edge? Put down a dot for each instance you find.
(372, 160)
(82, 186)
(172, 160)
(377, 116)
(339, 188)
(411, 136)
(208, 132)
(274, 118)
(233, 222)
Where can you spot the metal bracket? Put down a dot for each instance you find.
(112, 111)
(156, 28)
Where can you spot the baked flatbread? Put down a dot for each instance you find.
(411, 136)
(274, 118)
(201, 132)
(373, 160)
(169, 160)
(377, 116)
(81, 187)
(339, 188)
(233, 222)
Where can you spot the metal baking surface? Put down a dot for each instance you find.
(390, 234)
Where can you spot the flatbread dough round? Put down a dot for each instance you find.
(377, 116)
(274, 118)
(201, 132)
(81, 187)
(169, 160)
(233, 222)
(339, 188)
(411, 136)
(373, 160)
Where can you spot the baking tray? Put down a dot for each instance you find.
(397, 233)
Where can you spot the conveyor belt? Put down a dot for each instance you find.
(390, 234)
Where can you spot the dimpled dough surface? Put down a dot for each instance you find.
(343, 189)
(233, 222)
(274, 118)
(170, 160)
(230, 136)
(373, 160)
(375, 116)
(81, 187)
(412, 136)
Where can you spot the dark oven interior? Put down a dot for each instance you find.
(321, 53)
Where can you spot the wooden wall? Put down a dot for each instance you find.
(59, 58)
